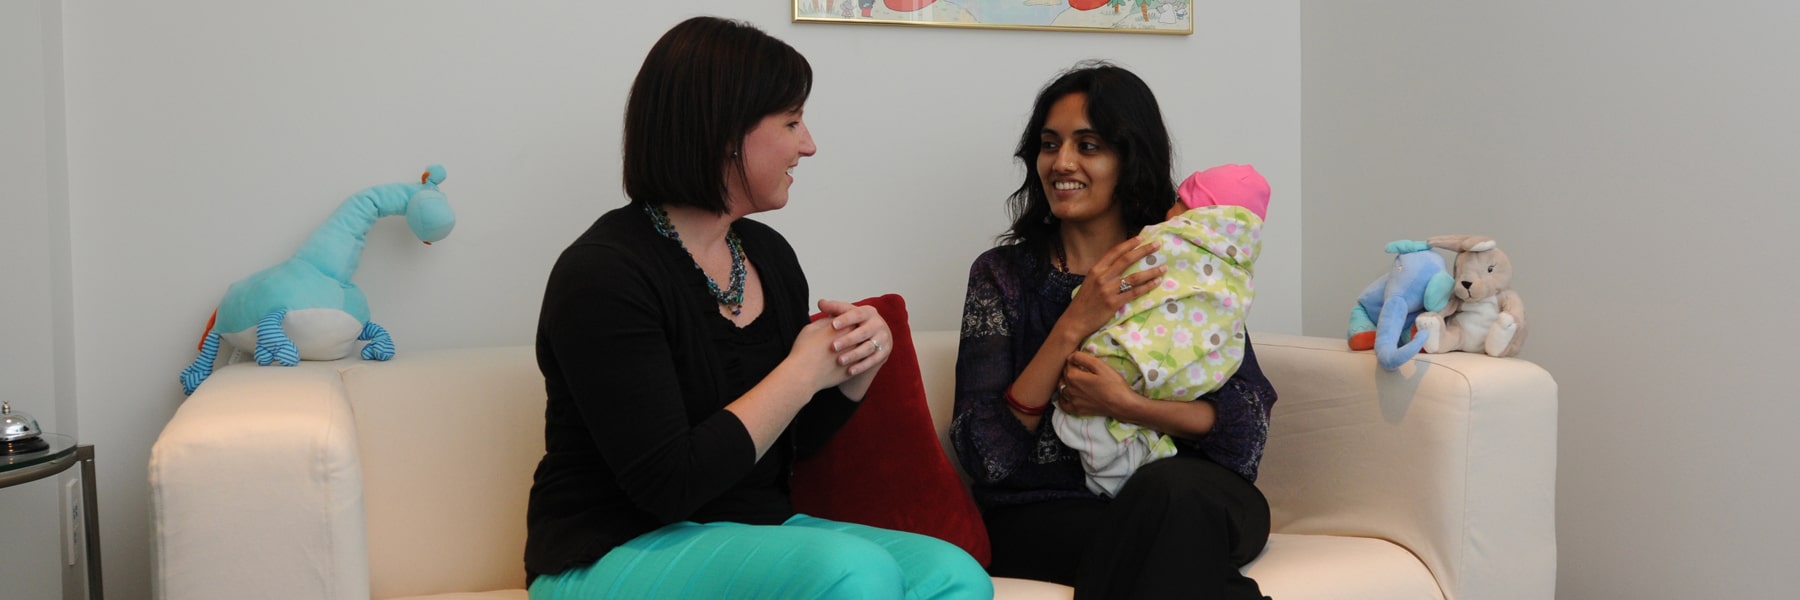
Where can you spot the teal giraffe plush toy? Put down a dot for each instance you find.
(306, 308)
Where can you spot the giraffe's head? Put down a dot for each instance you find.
(427, 211)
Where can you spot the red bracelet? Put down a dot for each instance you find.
(1029, 411)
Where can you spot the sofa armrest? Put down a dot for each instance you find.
(1453, 457)
(331, 479)
(266, 454)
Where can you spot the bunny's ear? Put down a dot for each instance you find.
(1462, 243)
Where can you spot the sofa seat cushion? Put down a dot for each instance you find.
(1305, 567)
(494, 595)
(1006, 588)
(1292, 567)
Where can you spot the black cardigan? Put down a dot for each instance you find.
(635, 435)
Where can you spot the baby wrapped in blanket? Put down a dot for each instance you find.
(1186, 337)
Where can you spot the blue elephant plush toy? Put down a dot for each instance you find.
(1383, 317)
(306, 308)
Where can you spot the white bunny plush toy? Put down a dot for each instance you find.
(1484, 313)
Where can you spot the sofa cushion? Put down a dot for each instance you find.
(885, 468)
(494, 595)
(1007, 588)
(1330, 567)
(448, 442)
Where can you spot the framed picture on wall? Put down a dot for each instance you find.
(1175, 17)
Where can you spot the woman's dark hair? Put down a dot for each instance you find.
(702, 88)
(1123, 109)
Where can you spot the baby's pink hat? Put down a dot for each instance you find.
(1227, 185)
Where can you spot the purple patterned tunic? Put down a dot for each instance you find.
(1013, 302)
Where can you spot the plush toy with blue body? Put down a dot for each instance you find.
(306, 308)
(1383, 316)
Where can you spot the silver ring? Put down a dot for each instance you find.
(1124, 286)
(876, 344)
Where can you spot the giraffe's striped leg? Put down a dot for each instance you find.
(380, 346)
(194, 374)
(272, 344)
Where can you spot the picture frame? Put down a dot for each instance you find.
(1167, 17)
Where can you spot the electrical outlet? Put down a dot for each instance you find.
(74, 526)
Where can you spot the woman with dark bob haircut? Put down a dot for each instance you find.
(682, 374)
(1098, 164)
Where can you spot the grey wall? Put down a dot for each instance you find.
(205, 140)
(36, 374)
(1634, 159)
(1637, 161)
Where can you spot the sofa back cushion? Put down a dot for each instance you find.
(448, 440)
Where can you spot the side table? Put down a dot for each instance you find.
(62, 454)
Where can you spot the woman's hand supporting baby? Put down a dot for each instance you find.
(1086, 384)
(1093, 388)
(1099, 297)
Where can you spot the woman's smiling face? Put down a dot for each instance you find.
(1078, 169)
(770, 152)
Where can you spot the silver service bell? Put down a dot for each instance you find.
(19, 433)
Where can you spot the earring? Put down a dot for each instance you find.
(734, 154)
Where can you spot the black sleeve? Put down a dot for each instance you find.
(821, 419)
(605, 325)
(991, 443)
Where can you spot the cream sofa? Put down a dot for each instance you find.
(352, 479)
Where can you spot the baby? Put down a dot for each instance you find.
(1186, 337)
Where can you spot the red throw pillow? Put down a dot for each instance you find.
(885, 468)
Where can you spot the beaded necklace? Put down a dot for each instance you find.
(733, 297)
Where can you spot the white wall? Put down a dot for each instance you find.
(34, 298)
(206, 139)
(26, 360)
(1637, 162)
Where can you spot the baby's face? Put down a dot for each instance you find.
(1175, 210)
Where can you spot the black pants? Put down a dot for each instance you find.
(1180, 528)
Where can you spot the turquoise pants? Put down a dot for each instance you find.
(806, 557)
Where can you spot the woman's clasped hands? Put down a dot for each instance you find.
(846, 347)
